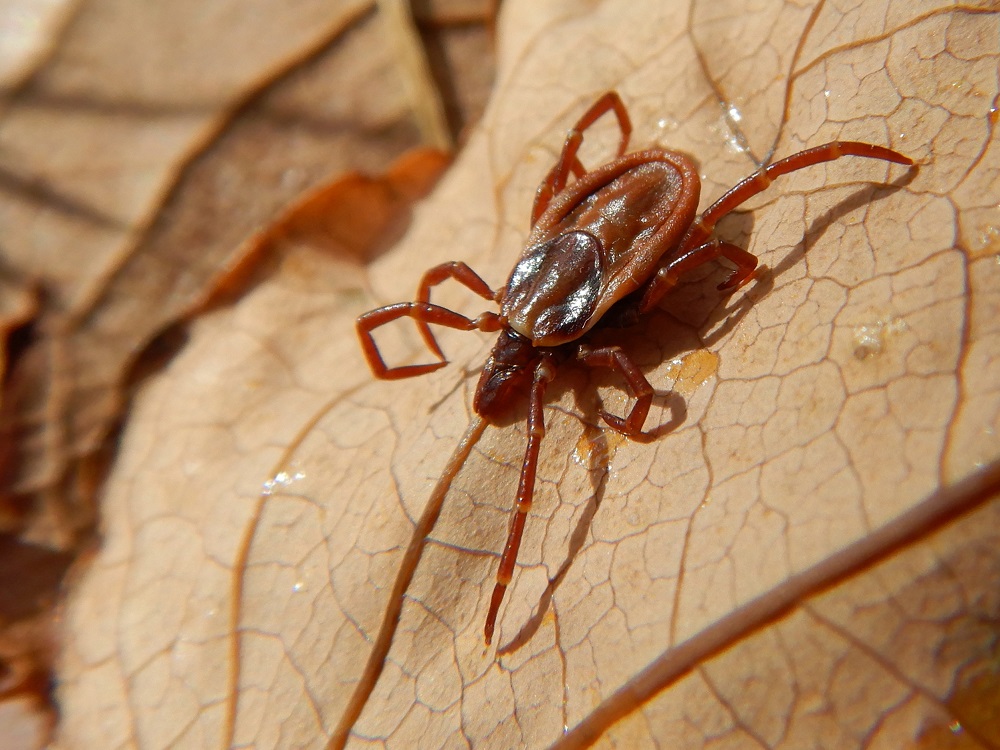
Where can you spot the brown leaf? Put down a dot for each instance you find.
(18, 307)
(773, 571)
(125, 210)
(141, 146)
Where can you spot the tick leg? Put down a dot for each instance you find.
(759, 181)
(695, 249)
(666, 278)
(614, 358)
(452, 270)
(544, 373)
(555, 181)
(552, 184)
(422, 312)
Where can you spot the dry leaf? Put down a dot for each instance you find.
(124, 209)
(140, 147)
(268, 489)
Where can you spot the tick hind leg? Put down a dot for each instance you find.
(424, 313)
(544, 372)
(760, 180)
(555, 181)
(614, 358)
(667, 276)
(695, 248)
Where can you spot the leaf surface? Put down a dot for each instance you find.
(269, 512)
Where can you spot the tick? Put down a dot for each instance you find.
(602, 250)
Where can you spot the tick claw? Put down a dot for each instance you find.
(616, 423)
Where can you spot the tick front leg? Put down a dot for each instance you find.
(616, 359)
(667, 277)
(422, 312)
(461, 273)
(544, 372)
(568, 162)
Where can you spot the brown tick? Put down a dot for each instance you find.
(601, 250)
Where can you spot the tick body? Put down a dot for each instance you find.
(602, 250)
